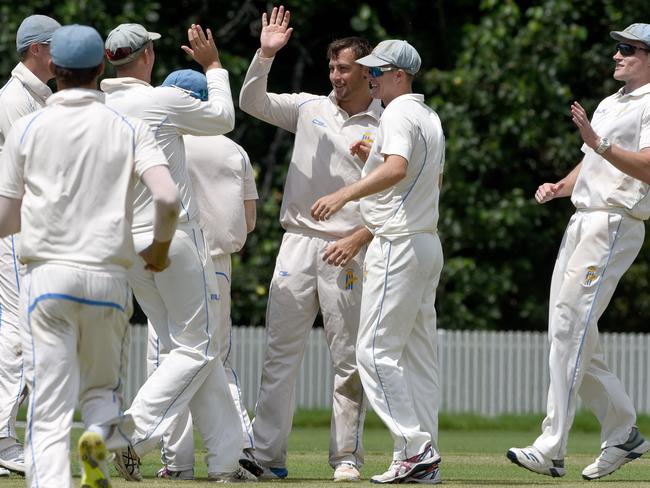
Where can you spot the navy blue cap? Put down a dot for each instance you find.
(35, 29)
(77, 47)
(193, 82)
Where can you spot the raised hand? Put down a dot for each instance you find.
(275, 32)
(581, 120)
(361, 148)
(204, 50)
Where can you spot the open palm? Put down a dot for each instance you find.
(275, 31)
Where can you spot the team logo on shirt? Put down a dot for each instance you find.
(350, 279)
(318, 122)
(367, 136)
(591, 276)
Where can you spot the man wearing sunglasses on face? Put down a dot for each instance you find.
(399, 191)
(609, 189)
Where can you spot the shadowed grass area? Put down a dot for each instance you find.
(473, 452)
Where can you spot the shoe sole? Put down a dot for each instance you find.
(251, 467)
(552, 471)
(643, 448)
(93, 453)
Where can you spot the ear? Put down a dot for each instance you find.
(50, 65)
(100, 70)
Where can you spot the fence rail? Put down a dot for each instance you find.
(482, 372)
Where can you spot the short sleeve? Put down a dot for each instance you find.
(644, 134)
(396, 134)
(12, 164)
(250, 190)
(147, 152)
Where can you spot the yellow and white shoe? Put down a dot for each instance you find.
(94, 461)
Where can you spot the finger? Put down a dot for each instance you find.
(201, 35)
(287, 34)
(280, 15)
(188, 50)
(285, 19)
(274, 15)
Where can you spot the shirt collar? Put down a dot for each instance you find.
(417, 97)
(31, 81)
(642, 90)
(109, 85)
(76, 96)
(374, 110)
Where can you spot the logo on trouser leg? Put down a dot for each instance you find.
(350, 279)
(591, 276)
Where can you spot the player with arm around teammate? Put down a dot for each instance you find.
(224, 186)
(25, 92)
(399, 192)
(609, 189)
(319, 263)
(76, 244)
(181, 303)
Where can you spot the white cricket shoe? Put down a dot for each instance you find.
(4, 472)
(240, 475)
(533, 460)
(127, 462)
(12, 458)
(613, 457)
(183, 474)
(429, 476)
(346, 471)
(94, 461)
(401, 469)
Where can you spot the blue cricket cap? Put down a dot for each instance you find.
(77, 47)
(195, 83)
(35, 29)
(634, 32)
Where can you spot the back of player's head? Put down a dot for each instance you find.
(77, 54)
(360, 47)
(35, 29)
(126, 42)
(193, 82)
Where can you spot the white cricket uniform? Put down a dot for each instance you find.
(181, 301)
(397, 345)
(302, 282)
(22, 94)
(600, 243)
(76, 244)
(222, 179)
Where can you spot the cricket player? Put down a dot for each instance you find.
(181, 303)
(319, 263)
(66, 178)
(25, 92)
(609, 189)
(224, 186)
(399, 191)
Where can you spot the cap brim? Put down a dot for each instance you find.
(153, 36)
(372, 61)
(625, 36)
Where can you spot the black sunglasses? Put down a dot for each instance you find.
(628, 49)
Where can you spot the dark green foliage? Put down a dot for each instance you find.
(500, 73)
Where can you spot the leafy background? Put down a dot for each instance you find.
(501, 74)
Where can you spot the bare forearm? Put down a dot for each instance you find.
(250, 213)
(635, 164)
(569, 182)
(383, 177)
(9, 216)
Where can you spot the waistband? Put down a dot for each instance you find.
(112, 269)
(302, 231)
(612, 210)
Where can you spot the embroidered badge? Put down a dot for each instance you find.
(350, 279)
(591, 276)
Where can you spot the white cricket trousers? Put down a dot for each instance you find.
(597, 248)
(177, 450)
(11, 358)
(182, 305)
(75, 332)
(397, 345)
(302, 282)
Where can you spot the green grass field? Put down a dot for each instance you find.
(473, 454)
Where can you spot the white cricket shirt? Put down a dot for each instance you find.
(222, 178)
(170, 113)
(73, 163)
(410, 129)
(625, 121)
(320, 162)
(23, 94)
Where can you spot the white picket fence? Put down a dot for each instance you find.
(482, 372)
